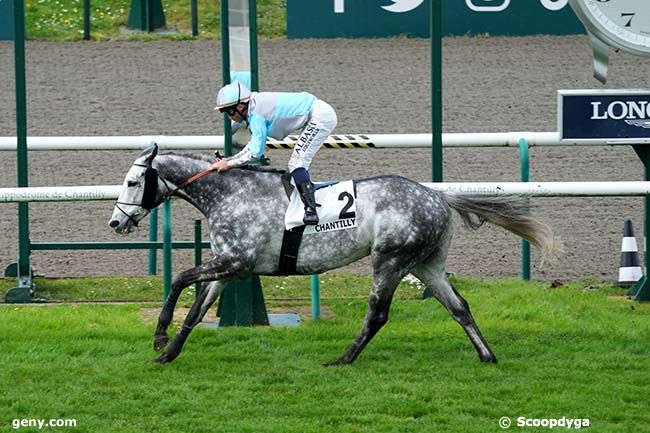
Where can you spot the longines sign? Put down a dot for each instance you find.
(385, 18)
(604, 116)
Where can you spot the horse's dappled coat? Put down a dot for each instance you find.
(403, 226)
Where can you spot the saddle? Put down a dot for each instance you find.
(336, 211)
(336, 206)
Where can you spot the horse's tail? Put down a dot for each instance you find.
(507, 211)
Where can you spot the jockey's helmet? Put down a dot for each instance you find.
(231, 95)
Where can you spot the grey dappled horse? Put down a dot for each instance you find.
(405, 228)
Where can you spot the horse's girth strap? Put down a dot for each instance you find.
(289, 250)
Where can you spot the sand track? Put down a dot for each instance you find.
(376, 86)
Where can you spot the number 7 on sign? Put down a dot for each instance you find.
(339, 6)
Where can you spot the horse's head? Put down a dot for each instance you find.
(140, 193)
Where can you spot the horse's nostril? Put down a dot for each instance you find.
(114, 223)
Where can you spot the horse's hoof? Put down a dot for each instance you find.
(491, 358)
(336, 363)
(160, 342)
(162, 359)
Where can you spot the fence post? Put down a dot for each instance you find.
(195, 19)
(198, 252)
(435, 26)
(525, 177)
(225, 73)
(24, 291)
(242, 301)
(252, 22)
(86, 20)
(436, 90)
(315, 297)
(167, 248)
(641, 290)
(153, 237)
(146, 15)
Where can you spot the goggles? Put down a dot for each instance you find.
(231, 110)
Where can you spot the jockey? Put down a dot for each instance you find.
(278, 115)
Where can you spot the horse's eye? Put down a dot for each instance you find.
(132, 183)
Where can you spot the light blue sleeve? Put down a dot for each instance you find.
(259, 132)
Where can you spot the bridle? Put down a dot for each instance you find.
(148, 201)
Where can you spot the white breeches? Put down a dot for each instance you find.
(321, 123)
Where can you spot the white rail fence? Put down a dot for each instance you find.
(495, 139)
(532, 189)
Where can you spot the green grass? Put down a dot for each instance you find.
(149, 289)
(62, 20)
(573, 351)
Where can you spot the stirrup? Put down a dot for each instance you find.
(311, 217)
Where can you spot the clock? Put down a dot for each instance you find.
(622, 24)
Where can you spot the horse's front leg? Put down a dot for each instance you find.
(160, 338)
(216, 269)
(199, 308)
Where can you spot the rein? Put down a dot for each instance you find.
(194, 178)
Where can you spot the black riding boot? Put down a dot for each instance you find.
(306, 191)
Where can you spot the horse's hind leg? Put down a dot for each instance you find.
(386, 277)
(433, 275)
(199, 308)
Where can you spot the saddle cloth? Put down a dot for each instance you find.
(337, 210)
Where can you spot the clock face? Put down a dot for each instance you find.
(623, 24)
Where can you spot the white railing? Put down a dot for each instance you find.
(532, 189)
(59, 193)
(212, 142)
(547, 189)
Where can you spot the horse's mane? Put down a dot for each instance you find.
(209, 159)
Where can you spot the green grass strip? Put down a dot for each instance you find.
(62, 20)
(573, 351)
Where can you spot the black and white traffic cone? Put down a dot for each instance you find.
(630, 271)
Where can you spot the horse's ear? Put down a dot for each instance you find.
(154, 152)
(150, 153)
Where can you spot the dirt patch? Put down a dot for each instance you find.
(150, 315)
